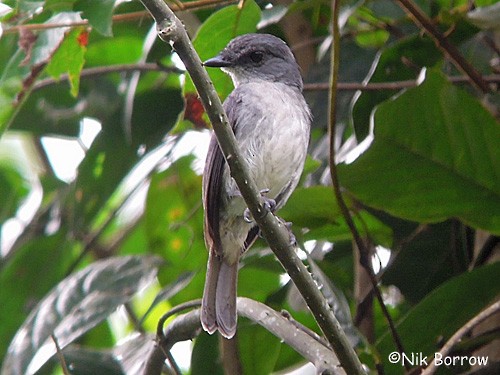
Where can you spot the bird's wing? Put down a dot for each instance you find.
(212, 186)
(213, 179)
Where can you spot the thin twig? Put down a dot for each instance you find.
(394, 85)
(102, 70)
(313, 86)
(171, 30)
(175, 310)
(164, 344)
(449, 49)
(183, 327)
(173, 364)
(365, 259)
(445, 350)
(60, 356)
(133, 318)
(124, 17)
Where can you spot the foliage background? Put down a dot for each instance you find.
(427, 187)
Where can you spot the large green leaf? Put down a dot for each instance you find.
(98, 14)
(435, 155)
(13, 189)
(174, 224)
(24, 66)
(113, 154)
(76, 305)
(127, 358)
(441, 313)
(315, 208)
(27, 275)
(432, 256)
(205, 355)
(69, 58)
(48, 40)
(259, 349)
(395, 63)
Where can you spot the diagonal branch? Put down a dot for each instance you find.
(449, 49)
(171, 30)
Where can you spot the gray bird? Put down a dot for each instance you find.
(271, 122)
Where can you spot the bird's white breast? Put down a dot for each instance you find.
(274, 142)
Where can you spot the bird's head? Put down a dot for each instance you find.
(254, 57)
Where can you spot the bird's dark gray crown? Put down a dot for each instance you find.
(258, 56)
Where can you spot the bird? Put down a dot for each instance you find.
(271, 122)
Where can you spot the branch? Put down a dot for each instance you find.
(364, 253)
(313, 86)
(294, 336)
(449, 49)
(394, 85)
(445, 350)
(191, 5)
(102, 70)
(171, 30)
(187, 326)
(184, 327)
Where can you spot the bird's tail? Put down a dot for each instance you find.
(218, 307)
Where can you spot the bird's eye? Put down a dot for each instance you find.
(256, 56)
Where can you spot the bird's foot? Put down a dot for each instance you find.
(288, 226)
(269, 206)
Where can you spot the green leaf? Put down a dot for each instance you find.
(311, 207)
(169, 291)
(54, 111)
(441, 313)
(430, 258)
(98, 14)
(205, 355)
(269, 282)
(315, 208)
(259, 349)
(69, 58)
(49, 40)
(8, 93)
(396, 63)
(372, 39)
(174, 224)
(85, 361)
(435, 156)
(121, 49)
(13, 189)
(112, 155)
(27, 275)
(76, 305)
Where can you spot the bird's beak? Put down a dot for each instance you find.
(217, 62)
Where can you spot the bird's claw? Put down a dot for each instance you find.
(269, 205)
(247, 216)
(292, 238)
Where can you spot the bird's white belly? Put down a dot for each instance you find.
(275, 148)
